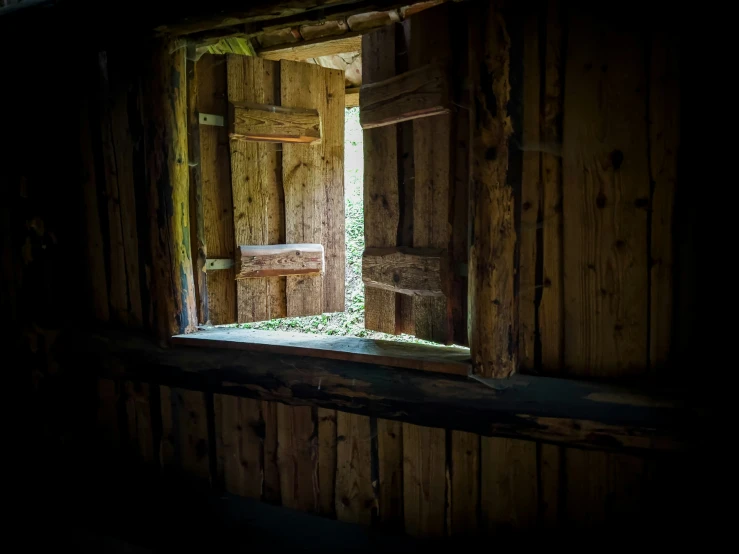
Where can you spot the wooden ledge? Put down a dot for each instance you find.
(560, 411)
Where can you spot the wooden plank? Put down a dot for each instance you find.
(280, 260)
(372, 19)
(664, 142)
(551, 306)
(452, 360)
(551, 493)
(465, 483)
(185, 433)
(313, 48)
(390, 458)
(218, 204)
(351, 97)
(296, 458)
(327, 461)
(508, 496)
(355, 497)
(258, 201)
(492, 267)
(381, 201)
(238, 426)
(138, 413)
(421, 92)
(271, 488)
(106, 422)
(314, 187)
(411, 271)
(606, 192)
(424, 480)
(268, 123)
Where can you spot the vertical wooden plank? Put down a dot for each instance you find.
(138, 413)
(217, 196)
(184, 445)
(355, 497)
(424, 480)
(551, 307)
(296, 458)
(238, 426)
(530, 192)
(271, 487)
(107, 413)
(550, 492)
(508, 494)
(390, 458)
(492, 319)
(168, 446)
(381, 202)
(327, 460)
(256, 174)
(606, 196)
(664, 141)
(465, 493)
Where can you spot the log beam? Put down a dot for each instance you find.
(279, 260)
(266, 123)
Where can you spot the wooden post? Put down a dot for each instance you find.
(492, 320)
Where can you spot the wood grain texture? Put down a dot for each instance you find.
(492, 319)
(424, 480)
(465, 483)
(509, 496)
(297, 458)
(312, 48)
(410, 271)
(280, 260)
(351, 97)
(271, 487)
(270, 123)
(390, 459)
(313, 180)
(258, 202)
(327, 460)
(381, 201)
(239, 448)
(138, 414)
(421, 92)
(551, 492)
(551, 307)
(606, 198)
(664, 142)
(355, 497)
(184, 446)
(215, 171)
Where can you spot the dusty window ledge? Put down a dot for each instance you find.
(451, 360)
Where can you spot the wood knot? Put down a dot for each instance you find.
(600, 200)
(491, 154)
(617, 159)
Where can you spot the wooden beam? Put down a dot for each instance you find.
(351, 97)
(314, 48)
(279, 260)
(266, 123)
(413, 271)
(419, 93)
(564, 411)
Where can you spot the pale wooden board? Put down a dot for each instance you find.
(390, 461)
(381, 203)
(296, 457)
(424, 480)
(605, 199)
(313, 48)
(465, 483)
(313, 181)
(271, 488)
(550, 476)
(185, 433)
(271, 123)
(258, 205)
(355, 497)
(551, 307)
(327, 460)
(138, 414)
(238, 445)
(215, 172)
(508, 492)
(453, 360)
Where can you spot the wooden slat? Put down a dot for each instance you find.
(551, 307)
(280, 260)
(313, 48)
(606, 194)
(269, 123)
(453, 360)
(508, 494)
(138, 412)
(421, 92)
(411, 271)
(185, 433)
(424, 480)
(381, 202)
(465, 483)
(664, 141)
(258, 204)
(296, 458)
(390, 458)
(314, 187)
(355, 497)
(217, 197)
(271, 489)
(551, 493)
(327, 460)
(238, 425)
(351, 97)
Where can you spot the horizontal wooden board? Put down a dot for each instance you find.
(314, 48)
(452, 360)
(278, 260)
(413, 271)
(418, 93)
(267, 123)
(351, 97)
